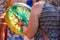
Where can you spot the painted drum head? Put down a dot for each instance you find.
(15, 14)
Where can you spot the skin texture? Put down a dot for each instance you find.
(3, 28)
(33, 21)
(34, 1)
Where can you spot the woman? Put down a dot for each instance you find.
(44, 21)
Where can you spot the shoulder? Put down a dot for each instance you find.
(49, 7)
(38, 3)
(37, 7)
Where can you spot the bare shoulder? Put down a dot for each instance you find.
(37, 7)
(38, 3)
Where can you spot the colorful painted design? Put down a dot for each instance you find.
(15, 14)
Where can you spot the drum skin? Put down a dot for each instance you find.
(15, 14)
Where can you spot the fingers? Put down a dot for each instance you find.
(24, 28)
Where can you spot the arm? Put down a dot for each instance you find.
(33, 21)
(3, 27)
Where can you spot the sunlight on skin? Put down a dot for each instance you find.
(3, 26)
(26, 38)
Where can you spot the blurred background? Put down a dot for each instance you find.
(5, 32)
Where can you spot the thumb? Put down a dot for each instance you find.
(24, 28)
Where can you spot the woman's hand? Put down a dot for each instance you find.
(20, 23)
(25, 29)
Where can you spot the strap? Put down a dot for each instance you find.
(44, 33)
(41, 29)
(41, 4)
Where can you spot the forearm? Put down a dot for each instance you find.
(3, 32)
(26, 38)
(3, 28)
(27, 33)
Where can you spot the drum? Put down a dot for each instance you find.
(15, 14)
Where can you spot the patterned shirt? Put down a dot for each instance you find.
(50, 22)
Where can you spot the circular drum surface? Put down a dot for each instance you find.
(15, 14)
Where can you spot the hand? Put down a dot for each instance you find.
(24, 28)
(20, 23)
